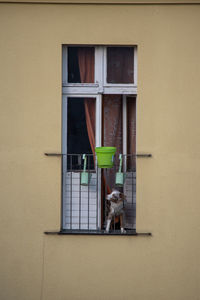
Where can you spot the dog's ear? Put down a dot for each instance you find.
(122, 196)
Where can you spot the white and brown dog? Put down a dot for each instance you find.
(115, 207)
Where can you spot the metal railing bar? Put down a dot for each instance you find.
(105, 204)
(88, 193)
(137, 155)
(132, 186)
(143, 155)
(70, 192)
(98, 232)
(79, 201)
(97, 205)
(54, 154)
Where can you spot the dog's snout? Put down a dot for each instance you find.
(108, 197)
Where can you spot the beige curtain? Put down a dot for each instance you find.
(131, 131)
(112, 130)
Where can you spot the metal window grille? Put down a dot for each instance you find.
(84, 206)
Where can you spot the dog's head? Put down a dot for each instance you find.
(115, 196)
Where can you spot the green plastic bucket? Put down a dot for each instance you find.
(105, 156)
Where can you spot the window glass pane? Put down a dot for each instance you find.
(81, 64)
(80, 130)
(120, 65)
(80, 125)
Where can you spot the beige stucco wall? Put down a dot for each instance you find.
(35, 266)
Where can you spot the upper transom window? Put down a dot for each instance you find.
(106, 69)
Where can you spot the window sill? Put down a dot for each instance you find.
(98, 232)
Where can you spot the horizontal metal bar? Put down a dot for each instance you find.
(67, 2)
(60, 154)
(98, 232)
(53, 154)
(143, 155)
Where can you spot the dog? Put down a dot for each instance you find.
(115, 207)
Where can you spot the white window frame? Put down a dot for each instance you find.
(120, 85)
(95, 90)
(98, 138)
(99, 86)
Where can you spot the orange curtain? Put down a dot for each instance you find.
(86, 64)
(86, 68)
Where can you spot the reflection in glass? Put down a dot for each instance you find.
(120, 65)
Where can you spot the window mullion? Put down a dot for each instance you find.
(98, 120)
(135, 66)
(64, 65)
(98, 144)
(99, 67)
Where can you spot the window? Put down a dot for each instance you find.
(99, 109)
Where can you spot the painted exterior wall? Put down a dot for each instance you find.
(36, 266)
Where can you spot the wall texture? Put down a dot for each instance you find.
(36, 266)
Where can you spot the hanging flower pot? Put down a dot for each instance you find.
(85, 176)
(120, 176)
(105, 156)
